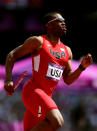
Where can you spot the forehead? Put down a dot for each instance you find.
(58, 16)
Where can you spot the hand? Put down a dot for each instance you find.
(87, 61)
(9, 86)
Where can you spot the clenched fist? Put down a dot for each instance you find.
(9, 86)
(87, 61)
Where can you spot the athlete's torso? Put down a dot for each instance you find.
(48, 64)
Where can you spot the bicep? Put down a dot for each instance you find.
(19, 52)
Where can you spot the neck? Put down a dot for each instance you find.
(53, 38)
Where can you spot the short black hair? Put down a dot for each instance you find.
(49, 16)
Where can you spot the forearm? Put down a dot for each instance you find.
(9, 66)
(72, 76)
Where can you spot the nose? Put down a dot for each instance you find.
(63, 24)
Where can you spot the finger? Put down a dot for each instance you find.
(9, 88)
(88, 55)
(90, 58)
(6, 88)
(89, 62)
(12, 89)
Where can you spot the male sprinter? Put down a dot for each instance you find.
(51, 59)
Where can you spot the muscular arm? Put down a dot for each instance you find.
(70, 76)
(31, 45)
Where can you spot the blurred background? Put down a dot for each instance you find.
(20, 19)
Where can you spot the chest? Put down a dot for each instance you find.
(55, 52)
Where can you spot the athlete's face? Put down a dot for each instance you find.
(57, 25)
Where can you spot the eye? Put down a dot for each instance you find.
(60, 19)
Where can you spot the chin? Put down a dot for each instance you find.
(62, 33)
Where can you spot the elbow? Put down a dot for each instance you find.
(68, 82)
(10, 57)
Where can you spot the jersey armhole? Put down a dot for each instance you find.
(32, 54)
(67, 52)
(44, 38)
(68, 55)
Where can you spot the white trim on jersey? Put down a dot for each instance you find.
(36, 63)
(39, 111)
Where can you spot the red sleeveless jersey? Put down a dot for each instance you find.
(48, 64)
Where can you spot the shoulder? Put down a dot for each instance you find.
(35, 39)
(70, 52)
(34, 42)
